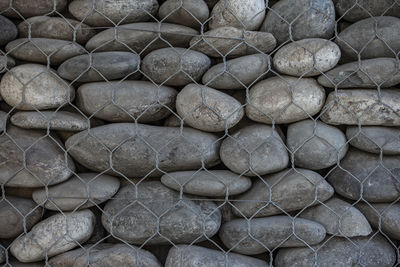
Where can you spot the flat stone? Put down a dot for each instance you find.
(40, 86)
(238, 73)
(126, 100)
(292, 189)
(190, 13)
(207, 109)
(367, 73)
(30, 8)
(6, 63)
(45, 159)
(238, 13)
(339, 251)
(309, 18)
(307, 57)
(55, 28)
(362, 106)
(232, 42)
(165, 219)
(284, 99)
(269, 233)
(379, 179)
(83, 190)
(54, 235)
(8, 30)
(360, 38)
(175, 66)
(352, 12)
(3, 120)
(135, 147)
(315, 144)
(188, 256)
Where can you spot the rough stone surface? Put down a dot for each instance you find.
(190, 13)
(8, 30)
(30, 8)
(366, 8)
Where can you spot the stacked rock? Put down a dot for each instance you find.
(199, 133)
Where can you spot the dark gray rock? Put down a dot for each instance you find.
(350, 11)
(8, 30)
(6, 63)
(30, 8)
(190, 13)
(3, 120)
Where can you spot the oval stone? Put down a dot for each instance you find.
(33, 87)
(136, 146)
(165, 219)
(190, 13)
(30, 8)
(307, 57)
(175, 66)
(54, 235)
(352, 11)
(8, 30)
(126, 100)
(207, 109)
(284, 99)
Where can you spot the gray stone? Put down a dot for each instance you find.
(8, 30)
(291, 190)
(15, 263)
(190, 13)
(367, 73)
(103, 66)
(207, 109)
(2, 254)
(54, 235)
(3, 120)
(83, 190)
(38, 49)
(350, 11)
(46, 162)
(33, 86)
(174, 121)
(189, 256)
(212, 183)
(30, 8)
(339, 251)
(165, 219)
(362, 106)
(232, 42)
(284, 99)
(309, 18)
(254, 150)
(361, 38)
(262, 234)
(126, 100)
(175, 66)
(315, 144)
(378, 179)
(238, 13)
(6, 63)
(307, 57)
(135, 147)
(238, 73)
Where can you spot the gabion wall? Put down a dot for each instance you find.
(180, 133)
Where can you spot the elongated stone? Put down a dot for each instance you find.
(350, 11)
(8, 30)
(30, 8)
(190, 13)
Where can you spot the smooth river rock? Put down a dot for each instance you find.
(30, 8)
(284, 99)
(181, 222)
(350, 11)
(190, 13)
(8, 30)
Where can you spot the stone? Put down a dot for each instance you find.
(374, 138)
(3, 120)
(262, 234)
(55, 28)
(16, 215)
(308, 18)
(54, 235)
(45, 159)
(82, 191)
(232, 42)
(292, 189)
(120, 101)
(238, 73)
(174, 121)
(316, 145)
(307, 57)
(103, 66)
(189, 256)
(211, 183)
(175, 66)
(352, 12)
(362, 106)
(207, 109)
(361, 38)
(165, 219)
(135, 147)
(109, 13)
(284, 99)
(39, 50)
(238, 13)
(142, 36)
(254, 150)
(6, 63)
(367, 73)
(190, 13)
(2, 254)
(365, 175)
(30, 8)
(8, 30)
(33, 87)
(15, 263)
(339, 251)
